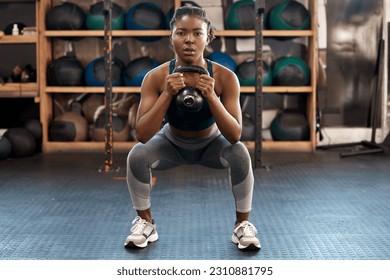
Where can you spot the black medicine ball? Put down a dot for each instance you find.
(35, 127)
(22, 141)
(5, 148)
(67, 16)
(65, 71)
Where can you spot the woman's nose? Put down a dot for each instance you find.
(190, 38)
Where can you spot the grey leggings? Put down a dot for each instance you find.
(165, 150)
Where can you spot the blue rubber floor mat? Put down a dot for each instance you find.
(305, 206)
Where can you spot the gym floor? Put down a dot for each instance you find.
(306, 206)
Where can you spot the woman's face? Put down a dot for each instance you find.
(189, 38)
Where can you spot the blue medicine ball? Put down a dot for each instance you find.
(290, 125)
(223, 59)
(145, 16)
(136, 70)
(95, 73)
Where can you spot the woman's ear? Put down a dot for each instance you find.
(208, 40)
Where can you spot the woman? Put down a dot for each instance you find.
(211, 140)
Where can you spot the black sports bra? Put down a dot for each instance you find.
(190, 121)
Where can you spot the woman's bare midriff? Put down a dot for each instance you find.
(192, 134)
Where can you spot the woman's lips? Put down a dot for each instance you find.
(189, 51)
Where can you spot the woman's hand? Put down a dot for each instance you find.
(175, 82)
(206, 86)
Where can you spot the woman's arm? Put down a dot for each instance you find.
(155, 102)
(226, 109)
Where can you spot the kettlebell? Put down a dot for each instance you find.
(189, 98)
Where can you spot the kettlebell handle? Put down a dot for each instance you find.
(191, 68)
(189, 98)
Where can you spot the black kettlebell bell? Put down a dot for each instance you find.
(189, 98)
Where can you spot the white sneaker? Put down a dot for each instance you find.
(244, 235)
(141, 233)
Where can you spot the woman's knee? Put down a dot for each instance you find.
(236, 154)
(239, 161)
(138, 162)
(135, 154)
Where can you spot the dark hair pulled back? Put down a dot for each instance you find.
(196, 12)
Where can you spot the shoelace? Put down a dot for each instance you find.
(247, 228)
(139, 225)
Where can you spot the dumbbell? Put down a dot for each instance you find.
(190, 98)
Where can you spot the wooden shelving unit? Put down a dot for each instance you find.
(16, 90)
(48, 91)
(22, 90)
(20, 39)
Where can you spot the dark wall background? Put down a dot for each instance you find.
(15, 111)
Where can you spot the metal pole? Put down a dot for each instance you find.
(108, 85)
(260, 9)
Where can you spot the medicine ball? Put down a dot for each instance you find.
(5, 148)
(246, 73)
(267, 74)
(290, 125)
(290, 71)
(241, 15)
(35, 127)
(289, 15)
(91, 104)
(22, 141)
(68, 127)
(95, 72)
(145, 16)
(136, 70)
(65, 71)
(223, 59)
(95, 17)
(120, 128)
(66, 16)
